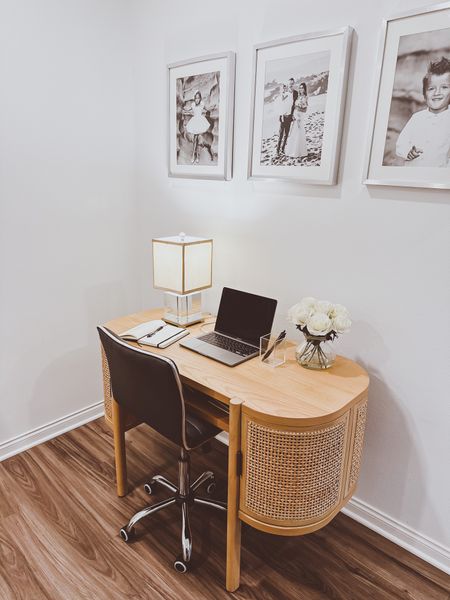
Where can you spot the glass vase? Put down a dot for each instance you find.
(316, 352)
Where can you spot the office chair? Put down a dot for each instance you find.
(148, 386)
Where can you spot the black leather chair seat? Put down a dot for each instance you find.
(198, 431)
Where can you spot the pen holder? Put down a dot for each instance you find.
(270, 353)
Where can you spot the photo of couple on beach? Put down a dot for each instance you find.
(295, 93)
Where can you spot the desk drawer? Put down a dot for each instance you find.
(207, 408)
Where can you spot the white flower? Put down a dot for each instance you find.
(341, 323)
(319, 324)
(340, 310)
(320, 316)
(292, 312)
(324, 306)
(302, 316)
(299, 314)
(308, 302)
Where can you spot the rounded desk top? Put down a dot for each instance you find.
(303, 396)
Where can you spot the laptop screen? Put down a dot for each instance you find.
(245, 316)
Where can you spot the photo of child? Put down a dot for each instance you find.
(425, 139)
(418, 133)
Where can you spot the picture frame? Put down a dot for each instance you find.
(201, 111)
(303, 145)
(408, 143)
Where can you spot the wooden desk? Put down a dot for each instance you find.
(296, 437)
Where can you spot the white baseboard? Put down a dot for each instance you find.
(413, 541)
(50, 430)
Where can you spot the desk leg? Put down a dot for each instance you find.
(233, 522)
(119, 448)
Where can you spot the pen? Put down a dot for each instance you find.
(156, 331)
(279, 339)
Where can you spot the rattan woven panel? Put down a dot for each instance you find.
(361, 416)
(106, 388)
(293, 475)
(130, 420)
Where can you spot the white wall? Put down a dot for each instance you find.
(67, 201)
(381, 252)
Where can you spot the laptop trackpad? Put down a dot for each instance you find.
(213, 352)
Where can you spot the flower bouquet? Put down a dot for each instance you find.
(320, 322)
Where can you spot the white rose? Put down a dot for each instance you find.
(319, 324)
(292, 312)
(324, 307)
(299, 314)
(341, 323)
(340, 310)
(302, 316)
(308, 302)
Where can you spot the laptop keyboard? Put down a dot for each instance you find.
(229, 344)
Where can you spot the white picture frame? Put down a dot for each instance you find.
(320, 61)
(408, 41)
(201, 111)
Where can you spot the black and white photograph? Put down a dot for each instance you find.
(418, 132)
(295, 96)
(198, 100)
(201, 107)
(297, 107)
(409, 142)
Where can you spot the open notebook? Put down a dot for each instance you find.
(157, 334)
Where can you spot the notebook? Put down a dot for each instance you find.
(242, 319)
(157, 334)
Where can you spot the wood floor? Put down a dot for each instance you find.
(60, 517)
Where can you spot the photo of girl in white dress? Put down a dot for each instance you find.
(197, 125)
(296, 143)
(198, 98)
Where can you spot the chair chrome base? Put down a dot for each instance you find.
(184, 495)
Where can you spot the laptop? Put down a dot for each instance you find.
(241, 320)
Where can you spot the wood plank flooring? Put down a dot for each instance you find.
(60, 517)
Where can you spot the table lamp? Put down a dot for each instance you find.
(182, 267)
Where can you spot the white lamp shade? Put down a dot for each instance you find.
(182, 264)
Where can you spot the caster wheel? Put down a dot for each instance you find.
(211, 488)
(127, 536)
(148, 489)
(180, 566)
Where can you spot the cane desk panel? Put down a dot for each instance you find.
(299, 476)
(359, 416)
(292, 477)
